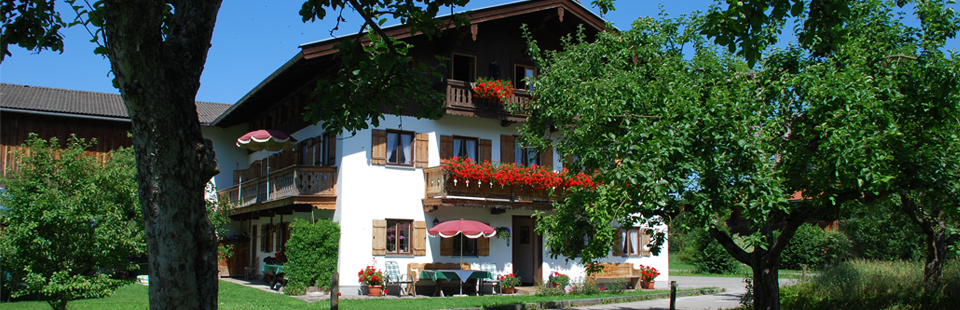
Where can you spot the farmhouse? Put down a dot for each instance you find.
(386, 185)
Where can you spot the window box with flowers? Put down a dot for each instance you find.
(373, 279)
(510, 180)
(647, 274)
(494, 91)
(508, 283)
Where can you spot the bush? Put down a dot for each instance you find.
(549, 290)
(713, 258)
(814, 247)
(586, 287)
(864, 284)
(312, 255)
(871, 236)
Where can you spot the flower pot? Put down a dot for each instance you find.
(375, 290)
(647, 285)
(509, 290)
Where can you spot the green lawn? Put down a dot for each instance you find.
(680, 268)
(235, 296)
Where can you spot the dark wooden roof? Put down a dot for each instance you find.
(316, 58)
(81, 103)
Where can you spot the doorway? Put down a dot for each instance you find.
(527, 250)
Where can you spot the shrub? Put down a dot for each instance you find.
(814, 247)
(312, 255)
(871, 236)
(713, 258)
(69, 221)
(863, 284)
(543, 290)
(586, 287)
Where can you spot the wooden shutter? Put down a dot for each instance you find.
(546, 157)
(446, 246)
(331, 151)
(507, 149)
(616, 242)
(379, 237)
(419, 238)
(483, 246)
(644, 242)
(446, 147)
(422, 154)
(486, 150)
(378, 149)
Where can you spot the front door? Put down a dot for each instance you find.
(527, 250)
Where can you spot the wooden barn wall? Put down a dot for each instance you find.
(15, 129)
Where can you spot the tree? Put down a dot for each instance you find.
(733, 146)
(157, 50)
(69, 221)
(312, 249)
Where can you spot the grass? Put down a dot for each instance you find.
(861, 284)
(681, 268)
(239, 297)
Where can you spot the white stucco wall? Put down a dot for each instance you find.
(229, 156)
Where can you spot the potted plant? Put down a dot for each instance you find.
(647, 274)
(373, 278)
(508, 283)
(504, 233)
(558, 280)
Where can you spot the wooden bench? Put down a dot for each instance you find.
(414, 269)
(617, 271)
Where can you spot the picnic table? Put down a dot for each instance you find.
(275, 272)
(453, 274)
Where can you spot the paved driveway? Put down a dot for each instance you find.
(735, 287)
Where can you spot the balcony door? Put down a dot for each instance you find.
(527, 250)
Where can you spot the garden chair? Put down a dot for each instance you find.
(395, 277)
(492, 268)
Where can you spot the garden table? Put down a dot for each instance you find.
(451, 274)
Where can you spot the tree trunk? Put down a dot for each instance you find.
(936, 255)
(766, 285)
(158, 73)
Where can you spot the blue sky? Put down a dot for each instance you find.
(251, 40)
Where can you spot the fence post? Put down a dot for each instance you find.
(673, 295)
(335, 291)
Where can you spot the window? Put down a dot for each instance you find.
(398, 236)
(470, 246)
(465, 148)
(525, 156)
(318, 151)
(520, 72)
(400, 148)
(464, 67)
(266, 238)
(633, 241)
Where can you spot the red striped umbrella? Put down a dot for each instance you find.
(270, 140)
(468, 228)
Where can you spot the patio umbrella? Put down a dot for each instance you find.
(265, 139)
(464, 228)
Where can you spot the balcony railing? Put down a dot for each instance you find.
(440, 184)
(460, 100)
(292, 181)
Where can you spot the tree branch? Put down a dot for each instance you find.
(724, 239)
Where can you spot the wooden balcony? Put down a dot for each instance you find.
(460, 101)
(442, 190)
(292, 185)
